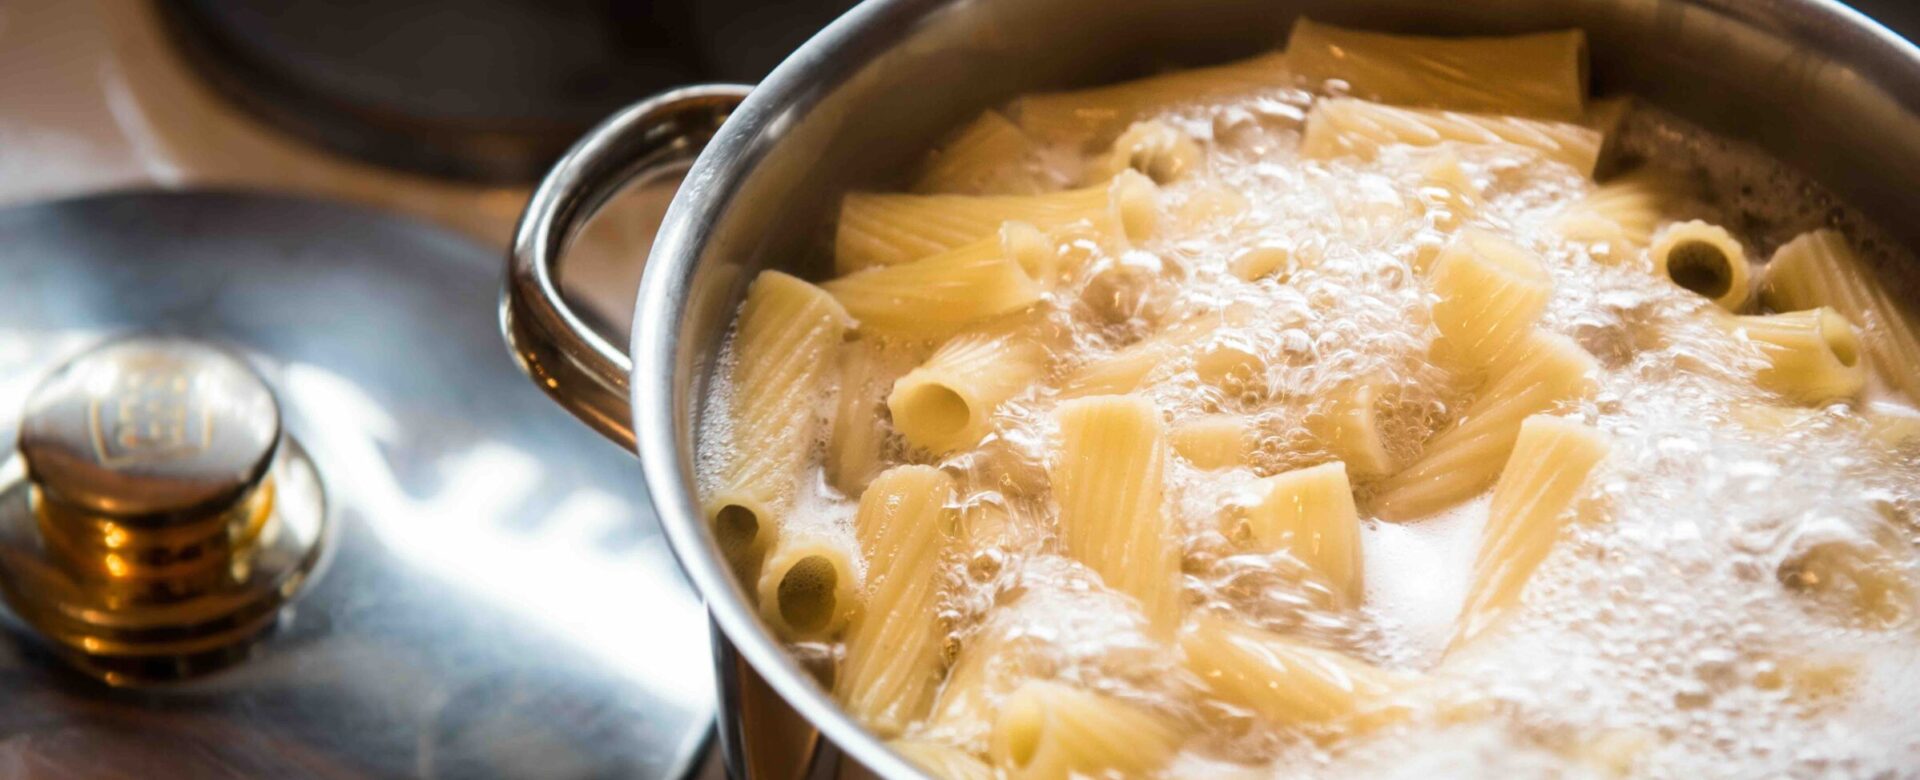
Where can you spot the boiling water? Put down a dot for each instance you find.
(1658, 636)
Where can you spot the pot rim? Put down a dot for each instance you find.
(806, 76)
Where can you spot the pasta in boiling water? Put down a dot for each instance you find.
(1320, 415)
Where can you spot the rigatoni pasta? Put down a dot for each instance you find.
(892, 666)
(1542, 371)
(1348, 127)
(1159, 430)
(1048, 731)
(787, 335)
(1108, 479)
(1819, 269)
(1543, 74)
(1550, 461)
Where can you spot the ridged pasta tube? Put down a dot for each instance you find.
(1540, 74)
(1350, 429)
(1818, 269)
(1283, 680)
(1342, 127)
(783, 347)
(947, 403)
(1310, 513)
(990, 156)
(1260, 262)
(882, 229)
(1154, 148)
(1623, 212)
(1447, 195)
(1214, 441)
(939, 295)
(893, 664)
(1049, 731)
(1093, 117)
(1491, 292)
(1551, 460)
(1108, 479)
(1864, 575)
(1813, 356)
(941, 761)
(1128, 368)
(859, 427)
(806, 588)
(1544, 370)
(1704, 259)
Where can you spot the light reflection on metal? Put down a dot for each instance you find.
(159, 521)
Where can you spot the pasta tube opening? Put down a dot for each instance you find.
(1048, 731)
(1704, 259)
(1812, 356)
(1154, 148)
(806, 589)
(1818, 268)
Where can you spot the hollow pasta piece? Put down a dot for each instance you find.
(1093, 117)
(1622, 213)
(1350, 430)
(892, 665)
(1819, 269)
(1704, 259)
(1159, 150)
(1283, 680)
(1491, 292)
(1215, 441)
(1813, 356)
(946, 404)
(1539, 74)
(1550, 463)
(859, 427)
(1309, 512)
(786, 339)
(1050, 731)
(989, 156)
(940, 295)
(1341, 127)
(806, 589)
(1544, 370)
(884, 229)
(1108, 479)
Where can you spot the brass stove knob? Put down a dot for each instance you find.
(156, 517)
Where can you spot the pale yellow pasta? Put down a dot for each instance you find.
(785, 341)
(1623, 212)
(1310, 513)
(1215, 441)
(1863, 577)
(1704, 259)
(1283, 680)
(1819, 269)
(1541, 74)
(941, 761)
(946, 404)
(1341, 127)
(1490, 292)
(990, 156)
(806, 589)
(1813, 356)
(1128, 368)
(1350, 429)
(859, 428)
(939, 295)
(1050, 731)
(1154, 148)
(1550, 463)
(975, 685)
(877, 229)
(892, 665)
(1543, 371)
(1093, 117)
(1448, 195)
(1260, 262)
(1108, 476)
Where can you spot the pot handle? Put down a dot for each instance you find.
(578, 368)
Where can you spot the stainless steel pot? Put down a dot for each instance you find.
(1811, 81)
